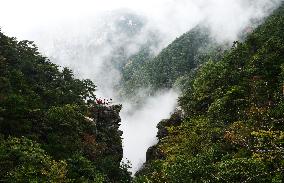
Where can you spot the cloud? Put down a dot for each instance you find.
(140, 131)
(172, 16)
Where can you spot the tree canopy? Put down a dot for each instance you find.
(232, 127)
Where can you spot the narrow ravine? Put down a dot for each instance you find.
(139, 125)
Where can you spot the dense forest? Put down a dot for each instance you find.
(51, 127)
(173, 67)
(228, 126)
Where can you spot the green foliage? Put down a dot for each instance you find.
(177, 60)
(81, 169)
(242, 170)
(69, 118)
(23, 160)
(54, 117)
(232, 129)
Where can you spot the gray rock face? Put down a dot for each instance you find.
(107, 123)
(175, 120)
(154, 153)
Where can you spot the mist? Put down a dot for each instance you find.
(140, 131)
(86, 36)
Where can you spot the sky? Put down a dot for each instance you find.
(25, 16)
(74, 33)
(22, 18)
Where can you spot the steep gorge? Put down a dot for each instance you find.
(229, 117)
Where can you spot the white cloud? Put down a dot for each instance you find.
(20, 17)
(140, 130)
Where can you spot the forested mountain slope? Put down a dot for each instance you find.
(230, 128)
(51, 128)
(173, 65)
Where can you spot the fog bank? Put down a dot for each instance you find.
(140, 130)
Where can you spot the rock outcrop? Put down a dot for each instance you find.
(107, 122)
(154, 152)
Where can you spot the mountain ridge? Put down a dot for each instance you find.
(232, 115)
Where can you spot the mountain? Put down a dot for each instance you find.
(230, 125)
(171, 66)
(52, 128)
(103, 48)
